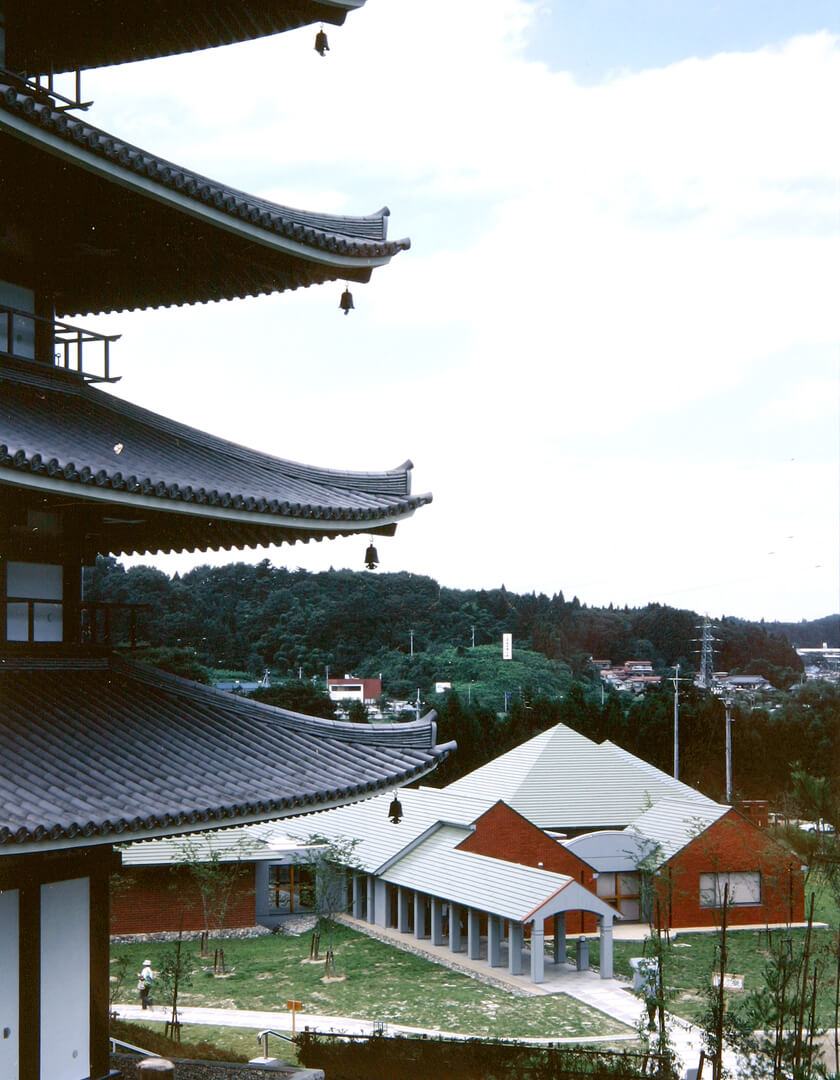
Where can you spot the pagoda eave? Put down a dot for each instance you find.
(66, 35)
(129, 230)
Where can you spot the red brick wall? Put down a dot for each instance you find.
(150, 899)
(733, 844)
(502, 833)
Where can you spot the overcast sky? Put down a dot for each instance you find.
(612, 350)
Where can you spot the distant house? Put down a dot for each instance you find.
(349, 688)
(633, 676)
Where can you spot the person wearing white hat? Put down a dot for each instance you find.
(145, 979)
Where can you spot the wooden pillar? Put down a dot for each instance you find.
(100, 971)
(30, 981)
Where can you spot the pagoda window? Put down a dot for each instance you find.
(17, 332)
(34, 608)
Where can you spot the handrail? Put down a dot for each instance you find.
(67, 340)
(263, 1037)
(130, 1047)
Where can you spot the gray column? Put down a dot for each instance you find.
(560, 938)
(515, 947)
(357, 896)
(402, 909)
(437, 921)
(420, 915)
(605, 926)
(454, 928)
(371, 898)
(473, 935)
(537, 951)
(381, 902)
(494, 940)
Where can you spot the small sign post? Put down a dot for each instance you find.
(294, 1007)
(507, 646)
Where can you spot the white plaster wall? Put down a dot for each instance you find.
(65, 980)
(9, 946)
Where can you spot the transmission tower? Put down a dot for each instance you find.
(706, 675)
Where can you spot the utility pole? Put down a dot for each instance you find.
(417, 707)
(411, 646)
(677, 722)
(728, 702)
(472, 645)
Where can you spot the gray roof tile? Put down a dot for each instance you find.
(109, 749)
(178, 467)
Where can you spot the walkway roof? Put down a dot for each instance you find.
(122, 229)
(152, 484)
(102, 750)
(562, 780)
(377, 840)
(521, 893)
(61, 35)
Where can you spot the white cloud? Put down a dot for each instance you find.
(588, 264)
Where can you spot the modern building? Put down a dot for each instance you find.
(559, 836)
(96, 750)
(349, 689)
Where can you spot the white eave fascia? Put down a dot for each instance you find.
(201, 510)
(22, 128)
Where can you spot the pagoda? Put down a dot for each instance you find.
(96, 750)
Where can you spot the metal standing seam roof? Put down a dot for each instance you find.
(102, 750)
(513, 891)
(673, 823)
(611, 850)
(560, 779)
(160, 229)
(108, 449)
(376, 841)
(247, 843)
(61, 35)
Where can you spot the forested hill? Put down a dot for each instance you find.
(251, 616)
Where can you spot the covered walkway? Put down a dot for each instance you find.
(491, 911)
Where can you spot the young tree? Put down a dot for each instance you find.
(215, 879)
(331, 864)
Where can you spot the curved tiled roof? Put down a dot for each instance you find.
(163, 234)
(99, 749)
(108, 451)
(61, 35)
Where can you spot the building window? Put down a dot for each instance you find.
(34, 602)
(290, 888)
(623, 891)
(744, 889)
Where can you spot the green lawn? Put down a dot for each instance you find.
(379, 983)
(691, 958)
